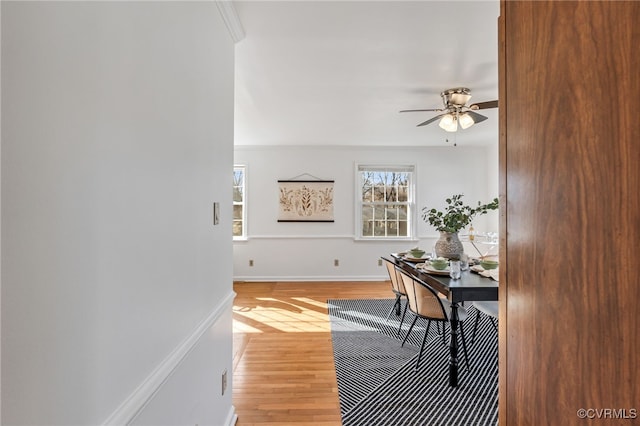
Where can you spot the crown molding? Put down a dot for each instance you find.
(230, 18)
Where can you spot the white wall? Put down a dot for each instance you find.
(306, 251)
(0, 221)
(117, 137)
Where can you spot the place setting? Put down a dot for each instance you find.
(436, 266)
(415, 255)
(488, 268)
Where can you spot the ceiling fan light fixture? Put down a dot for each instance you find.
(466, 121)
(456, 110)
(449, 123)
(459, 98)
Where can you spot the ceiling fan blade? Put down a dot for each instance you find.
(477, 118)
(484, 105)
(421, 110)
(431, 120)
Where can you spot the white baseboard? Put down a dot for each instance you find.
(232, 417)
(312, 278)
(135, 403)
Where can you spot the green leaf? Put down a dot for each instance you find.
(456, 215)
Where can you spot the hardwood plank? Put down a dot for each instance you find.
(283, 370)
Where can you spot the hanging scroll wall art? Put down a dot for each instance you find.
(306, 201)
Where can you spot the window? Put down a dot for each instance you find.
(385, 202)
(239, 202)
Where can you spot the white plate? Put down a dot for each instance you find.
(429, 270)
(415, 259)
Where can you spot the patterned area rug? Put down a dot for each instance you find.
(377, 381)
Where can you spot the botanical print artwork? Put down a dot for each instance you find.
(306, 201)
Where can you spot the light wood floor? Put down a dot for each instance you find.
(283, 371)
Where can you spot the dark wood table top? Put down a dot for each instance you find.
(471, 286)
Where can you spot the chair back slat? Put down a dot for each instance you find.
(423, 300)
(410, 291)
(396, 281)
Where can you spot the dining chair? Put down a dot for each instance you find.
(489, 308)
(423, 302)
(397, 287)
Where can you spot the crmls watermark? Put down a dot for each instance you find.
(607, 413)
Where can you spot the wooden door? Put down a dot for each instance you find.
(570, 203)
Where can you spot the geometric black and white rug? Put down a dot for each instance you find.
(377, 381)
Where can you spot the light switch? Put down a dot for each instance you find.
(216, 213)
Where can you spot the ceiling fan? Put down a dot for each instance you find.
(456, 112)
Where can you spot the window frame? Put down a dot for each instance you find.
(243, 203)
(410, 203)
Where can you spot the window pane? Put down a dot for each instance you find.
(237, 228)
(392, 229)
(392, 213)
(367, 221)
(238, 177)
(237, 194)
(391, 193)
(367, 229)
(379, 222)
(403, 193)
(378, 193)
(367, 213)
(379, 212)
(367, 193)
(366, 178)
(403, 228)
(237, 212)
(402, 213)
(379, 178)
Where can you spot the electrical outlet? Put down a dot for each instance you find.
(224, 381)
(250, 262)
(336, 262)
(379, 262)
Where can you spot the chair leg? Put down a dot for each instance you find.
(475, 326)
(404, 312)
(493, 323)
(464, 347)
(424, 339)
(415, 318)
(396, 307)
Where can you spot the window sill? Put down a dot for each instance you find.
(385, 239)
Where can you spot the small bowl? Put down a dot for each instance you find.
(489, 264)
(416, 254)
(439, 264)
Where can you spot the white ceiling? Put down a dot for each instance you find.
(338, 72)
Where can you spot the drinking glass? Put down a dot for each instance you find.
(464, 261)
(454, 269)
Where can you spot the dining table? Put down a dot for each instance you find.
(471, 286)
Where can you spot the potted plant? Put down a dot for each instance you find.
(449, 222)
